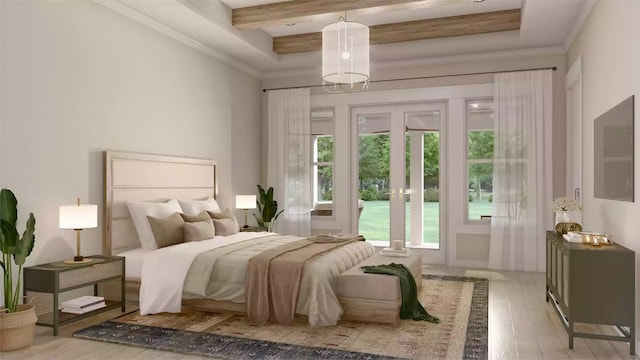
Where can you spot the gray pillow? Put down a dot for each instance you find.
(227, 214)
(167, 231)
(226, 226)
(199, 230)
(203, 216)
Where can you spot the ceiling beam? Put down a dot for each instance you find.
(292, 12)
(471, 24)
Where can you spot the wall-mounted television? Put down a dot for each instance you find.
(613, 153)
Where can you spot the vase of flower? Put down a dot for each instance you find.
(564, 217)
(567, 210)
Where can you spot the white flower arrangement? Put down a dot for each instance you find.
(563, 203)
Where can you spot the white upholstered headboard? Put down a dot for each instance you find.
(152, 178)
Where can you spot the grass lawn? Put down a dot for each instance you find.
(374, 221)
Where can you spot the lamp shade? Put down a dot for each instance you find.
(345, 52)
(245, 201)
(82, 216)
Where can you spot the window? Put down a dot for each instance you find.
(322, 161)
(479, 119)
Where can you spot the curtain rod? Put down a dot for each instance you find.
(554, 68)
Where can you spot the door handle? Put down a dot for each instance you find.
(393, 193)
(576, 194)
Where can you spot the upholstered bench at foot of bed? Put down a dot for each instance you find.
(375, 297)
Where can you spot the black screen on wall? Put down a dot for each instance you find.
(613, 153)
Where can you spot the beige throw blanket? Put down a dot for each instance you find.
(326, 238)
(273, 280)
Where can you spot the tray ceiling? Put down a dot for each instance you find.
(266, 36)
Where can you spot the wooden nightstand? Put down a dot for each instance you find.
(252, 229)
(44, 283)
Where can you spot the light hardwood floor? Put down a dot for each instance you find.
(521, 326)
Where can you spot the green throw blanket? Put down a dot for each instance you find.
(411, 307)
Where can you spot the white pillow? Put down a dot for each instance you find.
(195, 207)
(139, 212)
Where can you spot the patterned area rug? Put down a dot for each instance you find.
(461, 303)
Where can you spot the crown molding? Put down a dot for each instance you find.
(437, 60)
(578, 23)
(158, 26)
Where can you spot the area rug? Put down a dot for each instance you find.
(461, 303)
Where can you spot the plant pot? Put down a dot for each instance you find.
(18, 328)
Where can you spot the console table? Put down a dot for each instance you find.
(594, 285)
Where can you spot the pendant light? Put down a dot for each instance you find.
(345, 56)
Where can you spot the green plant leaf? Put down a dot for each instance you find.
(276, 217)
(270, 194)
(9, 237)
(8, 206)
(25, 244)
(258, 220)
(263, 195)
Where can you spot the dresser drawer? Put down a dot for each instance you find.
(90, 274)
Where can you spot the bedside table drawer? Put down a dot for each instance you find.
(90, 274)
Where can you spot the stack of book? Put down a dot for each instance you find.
(393, 252)
(83, 304)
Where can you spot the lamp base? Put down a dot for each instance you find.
(82, 260)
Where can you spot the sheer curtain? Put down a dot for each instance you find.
(289, 158)
(522, 170)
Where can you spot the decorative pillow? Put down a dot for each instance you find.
(203, 216)
(167, 231)
(139, 212)
(227, 214)
(225, 226)
(195, 207)
(199, 230)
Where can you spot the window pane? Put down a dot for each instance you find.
(373, 158)
(325, 149)
(480, 190)
(431, 193)
(322, 169)
(480, 144)
(325, 182)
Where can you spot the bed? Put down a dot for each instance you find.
(133, 177)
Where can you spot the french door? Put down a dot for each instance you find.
(398, 178)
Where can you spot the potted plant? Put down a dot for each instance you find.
(17, 321)
(267, 209)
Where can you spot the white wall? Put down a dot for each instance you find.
(610, 49)
(77, 79)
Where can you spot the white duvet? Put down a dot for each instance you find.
(164, 272)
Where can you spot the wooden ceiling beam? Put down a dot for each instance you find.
(471, 24)
(298, 11)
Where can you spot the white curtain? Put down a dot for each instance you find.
(521, 173)
(289, 158)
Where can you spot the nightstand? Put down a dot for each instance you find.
(44, 283)
(252, 229)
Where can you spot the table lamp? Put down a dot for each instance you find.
(245, 202)
(78, 217)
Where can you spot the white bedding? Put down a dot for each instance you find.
(164, 271)
(133, 262)
(317, 297)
